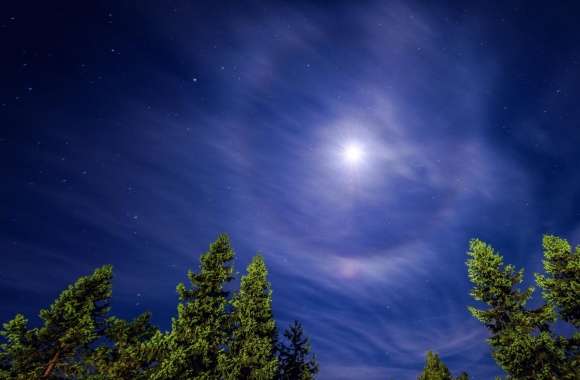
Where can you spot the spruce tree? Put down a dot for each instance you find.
(295, 360)
(127, 354)
(561, 284)
(253, 343)
(561, 290)
(522, 343)
(70, 326)
(200, 330)
(435, 369)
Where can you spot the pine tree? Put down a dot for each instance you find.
(561, 290)
(128, 355)
(200, 330)
(253, 343)
(561, 285)
(521, 341)
(295, 361)
(435, 369)
(211, 338)
(70, 326)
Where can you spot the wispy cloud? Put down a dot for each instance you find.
(370, 258)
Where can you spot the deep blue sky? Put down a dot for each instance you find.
(134, 133)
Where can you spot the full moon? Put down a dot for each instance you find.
(353, 154)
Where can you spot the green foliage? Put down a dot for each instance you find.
(522, 341)
(213, 336)
(561, 285)
(200, 330)
(252, 346)
(218, 337)
(17, 354)
(435, 369)
(70, 325)
(295, 360)
(128, 356)
(561, 290)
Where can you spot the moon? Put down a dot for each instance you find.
(353, 154)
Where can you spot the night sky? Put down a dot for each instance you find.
(357, 145)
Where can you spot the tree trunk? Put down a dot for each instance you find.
(51, 365)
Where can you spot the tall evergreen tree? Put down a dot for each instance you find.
(211, 338)
(253, 344)
(435, 369)
(561, 284)
(200, 330)
(521, 341)
(561, 290)
(70, 326)
(295, 360)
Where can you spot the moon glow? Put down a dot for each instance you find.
(353, 154)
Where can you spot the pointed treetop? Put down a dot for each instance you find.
(296, 361)
(522, 341)
(561, 283)
(435, 369)
(200, 330)
(253, 342)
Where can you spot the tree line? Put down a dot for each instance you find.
(218, 334)
(215, 335)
